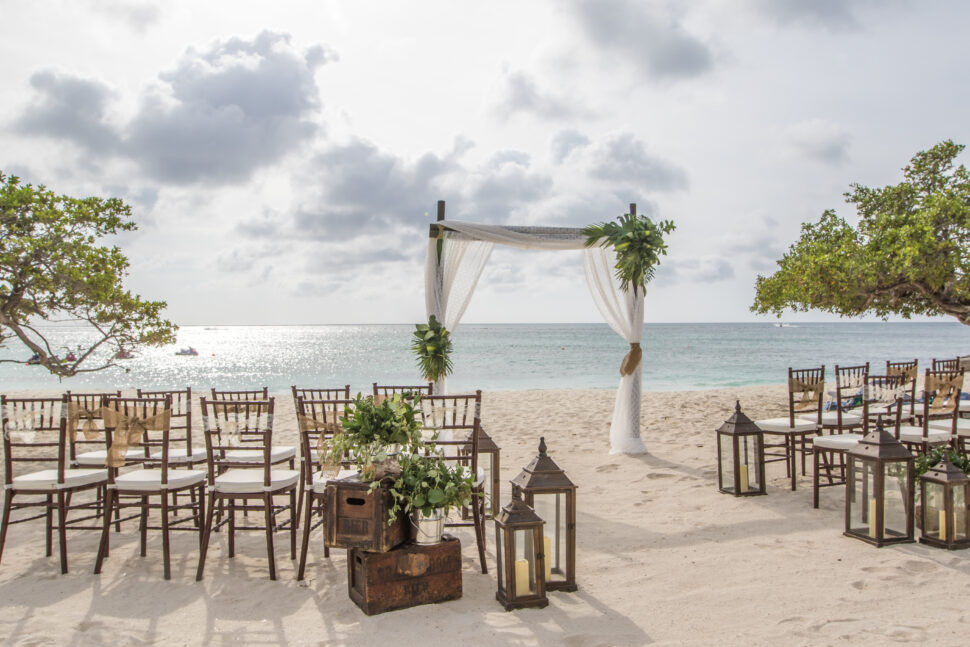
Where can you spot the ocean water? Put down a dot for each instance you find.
(501, 356)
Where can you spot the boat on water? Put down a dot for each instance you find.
(124, 354)
(190, 351)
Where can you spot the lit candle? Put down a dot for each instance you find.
(744, 478)
(521, 576)
(547, 549)
(872, 518)
(942, 525)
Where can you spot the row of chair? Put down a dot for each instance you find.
(142, 464)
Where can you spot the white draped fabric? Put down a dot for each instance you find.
(451, 280)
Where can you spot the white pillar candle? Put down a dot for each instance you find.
(521, 576)
(743, 474)
(872, 518)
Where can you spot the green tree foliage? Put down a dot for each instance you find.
(55, 267)
(639, 244)
(908, 254)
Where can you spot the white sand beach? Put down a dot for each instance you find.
(663, 558)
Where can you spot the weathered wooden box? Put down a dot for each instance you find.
(357, 518)
(405, 577)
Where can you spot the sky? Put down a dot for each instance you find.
(283, 160)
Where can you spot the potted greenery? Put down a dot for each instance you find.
(373, 435)
(432, 345)
(427, 489)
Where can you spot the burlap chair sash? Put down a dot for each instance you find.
(631, 360)
(805, 393)
(907, 374)
(944, 390)
(75, 412)
(129, 431)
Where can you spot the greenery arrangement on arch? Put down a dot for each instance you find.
(431, 343)
(639, 244)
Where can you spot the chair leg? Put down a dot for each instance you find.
(305, 544)
(62, 529)
(323, 536)
(50, 523)
(268, 510)
(232, 527)
(294, 522)
(204, 541)
(105, 534)
(479, 529)
(5, 521)
(199, 508)
(815, 478)
(165, 546)
(144, 526)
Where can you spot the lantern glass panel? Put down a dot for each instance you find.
(896, 487)
(748, 463)
(960, 512)
(862, 498)
(524, 561)
(485, 464)
(500, 556)
(551, 507)
(933, 514)
(726, 446)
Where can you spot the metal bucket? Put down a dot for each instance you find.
(428, 529)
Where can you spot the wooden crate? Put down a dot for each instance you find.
(405, 577)
(357, 518)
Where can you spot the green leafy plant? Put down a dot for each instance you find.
(54, 265)
(427, 483)
(639, 244)
(432, 344)
(370, 428)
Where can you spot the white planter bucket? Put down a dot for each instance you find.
(428, 529)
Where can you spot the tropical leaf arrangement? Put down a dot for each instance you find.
(432, 345)
(427, 483)
(370, 428)
(639, 244)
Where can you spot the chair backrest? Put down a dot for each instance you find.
(908, 371)
(241, 396)
(941, 397)
(382, 391)
(946, 364)
(318, 421)
(180, 429)
(882, 401)
(456, 421)
(84, 412)
(328, 393)
(140, 424)
(33, 432)
(806, 386)
(237, 424)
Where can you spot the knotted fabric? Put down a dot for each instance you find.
(809, 390)
(942, 389)
(631, 360)
(128, 432)
(907, 374)
(74, 414)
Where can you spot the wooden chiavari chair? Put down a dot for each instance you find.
(937, 420)
(805, 390)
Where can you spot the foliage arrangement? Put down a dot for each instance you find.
(54, 267)
(427, 483)
(907, 255)
(932, 458)
(639, 244)
(432, 344)
(370, 428)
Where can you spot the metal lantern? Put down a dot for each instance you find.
(880, 492)
(944, 493)
(740, 456)
(549, 492)
(518, 542)
(489, 460)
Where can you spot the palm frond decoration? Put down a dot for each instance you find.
(432, 345)
(639, 244)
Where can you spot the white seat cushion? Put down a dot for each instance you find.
(250, 481)
(963, 426)
(964, 406)
(783, 425)
(98, 457)
(320, 483)
(838, 442)
(151, 480)
(180, 455)
(47, 479)
(831, 418)
(277, 454)
(915, 435)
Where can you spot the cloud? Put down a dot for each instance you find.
(702, 269)
(220, 115)
(624, 158)
(831, 14)
(819, 140)
(565, 142)
(653, 39)
(71, 108)
(522, 95)
(138, 15)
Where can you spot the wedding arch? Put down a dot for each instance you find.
(457, 253)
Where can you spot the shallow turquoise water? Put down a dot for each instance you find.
(504, 356)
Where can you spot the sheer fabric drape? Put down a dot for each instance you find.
(451, 279)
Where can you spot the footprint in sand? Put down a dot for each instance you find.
(659, 475)
(609, 467)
